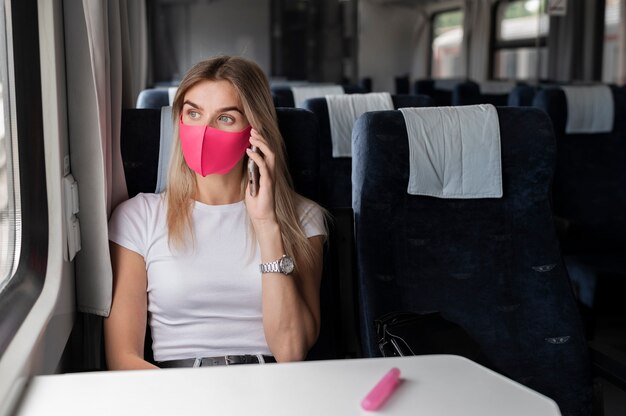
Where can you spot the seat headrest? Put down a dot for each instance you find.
(344, 109)
(496, 87)
(454, 152)
(153, 98)
(303, 93)
(590, 109)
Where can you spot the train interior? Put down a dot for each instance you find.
(109, 71)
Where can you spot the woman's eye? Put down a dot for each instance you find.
(193, 114)
(226, 119)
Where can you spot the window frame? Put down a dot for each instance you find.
(600, 44)
(24, 89)
(432, 36)
(495, 45)
(10, 170)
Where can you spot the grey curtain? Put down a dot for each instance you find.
(421, 39)
(621, 74)
(105, 67)
(571, 56)
(476, 34)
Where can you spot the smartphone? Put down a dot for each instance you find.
(253, 174)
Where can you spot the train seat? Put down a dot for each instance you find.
(402, 84)
(155, 97)
(335, 172)
(521, 96)
(141, 139)
(366, 84)
(490, 265)
(295, 95)
(336, 195)
(589, 182)
(470, 93)
(440, 90)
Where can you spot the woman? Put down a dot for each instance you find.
(210, 259)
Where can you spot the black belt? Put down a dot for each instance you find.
(223, 360)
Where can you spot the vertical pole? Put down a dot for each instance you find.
(542, 11)
(621, 51)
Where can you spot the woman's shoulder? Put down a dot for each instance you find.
(140, 203)
(305, 206)
(132, 221)
(312, 217)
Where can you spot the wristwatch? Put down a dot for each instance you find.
(284, 265)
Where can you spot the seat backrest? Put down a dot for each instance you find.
(366, 84)
(335, 172)
(470, 93)
(521, 96)
(354, 89)
(491, 266)
(590, 176)
(283, 95)
(140, 139)
(154, 98)
(403, 84)
(439, 90)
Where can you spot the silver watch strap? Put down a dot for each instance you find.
(271, 267)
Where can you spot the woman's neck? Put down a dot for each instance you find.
(220, 189)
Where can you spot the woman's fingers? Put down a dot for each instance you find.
(261, 163)
(259, 141)
(261, 206)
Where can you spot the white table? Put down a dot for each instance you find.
(432, 385)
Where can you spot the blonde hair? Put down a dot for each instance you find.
(253, 89)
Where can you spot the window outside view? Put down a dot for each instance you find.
(446, 46)
(611, 51)
(9, 215)
(520, 21)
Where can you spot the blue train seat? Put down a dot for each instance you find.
(155, 97)
(470, 93)
(283, 94)
(492, 266)
(336, 195)
(335, 172)
(366, 84)
(402, 84)
(440, 90)
(521, 96)
(140, 142)
(589, 183)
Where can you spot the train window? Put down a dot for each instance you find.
(447, 39)
(521, 30)
(610, 61)
(9, 212)
(24, 213)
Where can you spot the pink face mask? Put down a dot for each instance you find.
(208, 150)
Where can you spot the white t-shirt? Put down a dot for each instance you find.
(205, 301)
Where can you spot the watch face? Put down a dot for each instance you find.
(286, 265)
